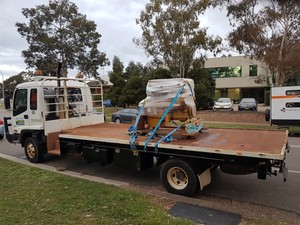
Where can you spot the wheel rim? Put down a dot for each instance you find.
(118, 121)
(177, 178)
(30, 149)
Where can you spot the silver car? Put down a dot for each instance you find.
(223, 104)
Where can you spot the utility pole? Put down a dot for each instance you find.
(3, 87)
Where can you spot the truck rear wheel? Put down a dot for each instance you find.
(33, 151)
(267, 115)
(179, 177)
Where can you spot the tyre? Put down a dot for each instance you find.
(267, 114)
(117, 120)
(33, 151)
(1, 136)
(179, 177)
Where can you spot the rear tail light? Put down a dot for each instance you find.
(1, 122)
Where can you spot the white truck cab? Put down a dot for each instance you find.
(47, 106)
(284, 106)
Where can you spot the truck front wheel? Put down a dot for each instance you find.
(33, 151)
(179, 177)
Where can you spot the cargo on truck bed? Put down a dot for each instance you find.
(62, 115)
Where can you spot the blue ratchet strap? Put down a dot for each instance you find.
(192, 128)
(152, 134)
(132, 131)
(168, 137)
(191, 89)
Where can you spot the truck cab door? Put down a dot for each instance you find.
(34, 110)
(20, 118)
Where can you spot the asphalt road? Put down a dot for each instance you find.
(272, 192)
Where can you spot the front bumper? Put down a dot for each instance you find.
(226, 107)
(10, 137)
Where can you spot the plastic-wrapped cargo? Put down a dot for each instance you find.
(161, 92)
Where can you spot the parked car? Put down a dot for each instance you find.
(1, 129)
(107, 103)
(124, 116)
(247, 104)
(223, 103)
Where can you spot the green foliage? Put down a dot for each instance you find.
(129, 86)
(11, 83)
(159, 73)
(172, 33)
(204, 86)
(135, 69)
(135, 90)
(116, 77)
(59, 33)
(267, 97)
(269, 32)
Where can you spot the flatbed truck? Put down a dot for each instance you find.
(62, 115)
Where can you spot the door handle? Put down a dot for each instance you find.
(25, 116)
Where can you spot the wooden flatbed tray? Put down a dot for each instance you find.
(252, 143)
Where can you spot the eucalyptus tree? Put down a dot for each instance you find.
(268, 31)
(172, 35)
(59, 33)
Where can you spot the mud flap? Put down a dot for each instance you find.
(204, 178)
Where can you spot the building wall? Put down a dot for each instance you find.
(244, 85)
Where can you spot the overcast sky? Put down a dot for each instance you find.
(115, 21)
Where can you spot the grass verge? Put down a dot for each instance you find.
(240, 126)
(291, 129)
(108, 111)
(34, 196)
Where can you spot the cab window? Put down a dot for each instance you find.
(74, 95)
(20, 101)
(33, 99)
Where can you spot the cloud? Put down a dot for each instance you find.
(115, 19)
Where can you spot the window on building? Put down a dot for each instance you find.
(253, 70)
(221, 72)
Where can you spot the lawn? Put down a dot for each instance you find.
(34, 196)
(108, 111)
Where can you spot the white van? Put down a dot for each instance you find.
(284, 106)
